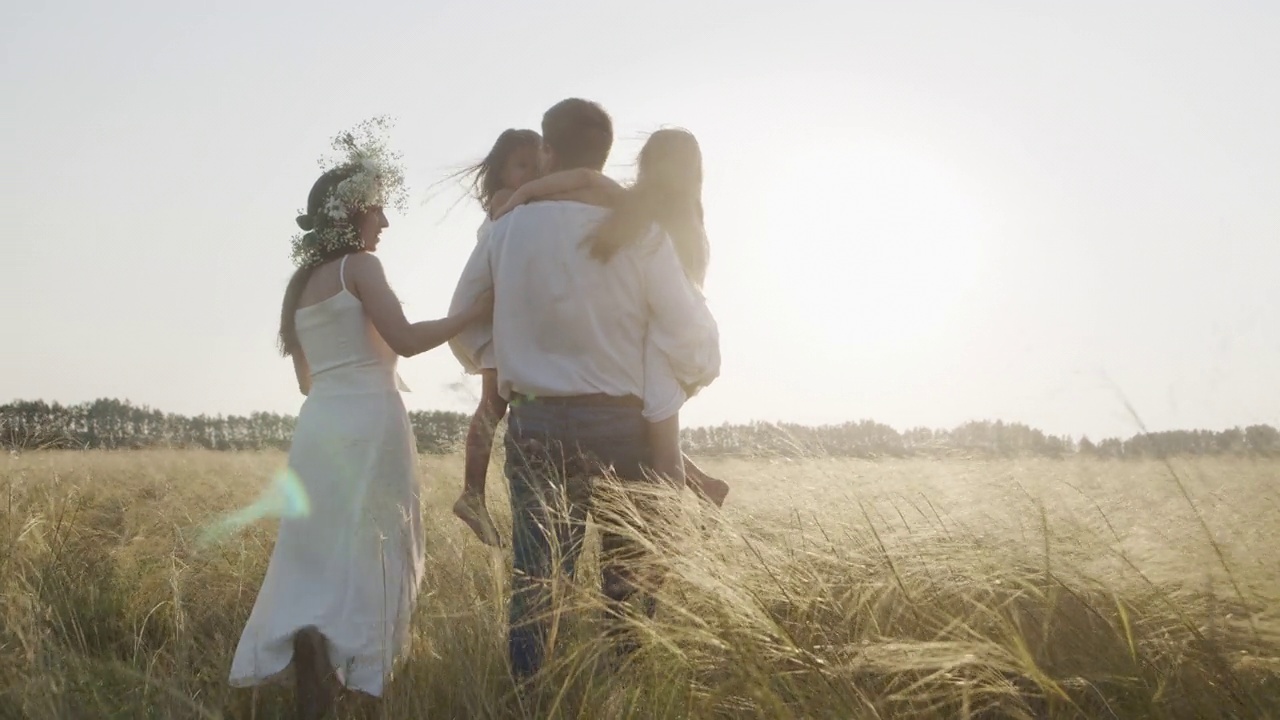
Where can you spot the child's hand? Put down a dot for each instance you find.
(516, 200)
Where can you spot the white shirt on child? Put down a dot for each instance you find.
(473, 347)
(567, 324)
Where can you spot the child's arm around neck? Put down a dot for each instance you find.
(578, 184)
(499, 201)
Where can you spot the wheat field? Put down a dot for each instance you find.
(825, 589)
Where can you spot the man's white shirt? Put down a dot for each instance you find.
(566, 324)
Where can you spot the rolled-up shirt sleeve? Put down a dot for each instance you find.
(473, 347)
(663, 396)
(680, 323)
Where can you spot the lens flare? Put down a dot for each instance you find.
(284, 498)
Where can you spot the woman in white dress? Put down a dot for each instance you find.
(335, 606)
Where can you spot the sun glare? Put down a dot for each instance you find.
(873, 239)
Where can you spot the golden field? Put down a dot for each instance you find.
(825, 589)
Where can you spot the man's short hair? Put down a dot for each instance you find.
(579, 132)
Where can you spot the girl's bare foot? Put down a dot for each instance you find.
(470, 508)
(715, 490)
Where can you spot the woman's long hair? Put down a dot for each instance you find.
(484, 179)
(667, 191)
(315, 220)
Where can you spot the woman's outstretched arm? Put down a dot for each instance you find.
(369, 283)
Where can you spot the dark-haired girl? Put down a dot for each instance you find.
(511, 162)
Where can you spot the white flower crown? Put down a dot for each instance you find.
(378, 181)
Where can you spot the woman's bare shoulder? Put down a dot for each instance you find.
(363, 263)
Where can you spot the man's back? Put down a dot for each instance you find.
(564, 323)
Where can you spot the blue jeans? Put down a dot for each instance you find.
(553, 454)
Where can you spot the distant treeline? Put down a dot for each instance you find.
(118, 424)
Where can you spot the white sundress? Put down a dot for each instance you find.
(352, 565)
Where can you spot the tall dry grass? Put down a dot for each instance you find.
(826, 589)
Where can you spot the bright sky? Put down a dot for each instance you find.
(920, 213)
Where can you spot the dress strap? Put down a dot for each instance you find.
(342, 271)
